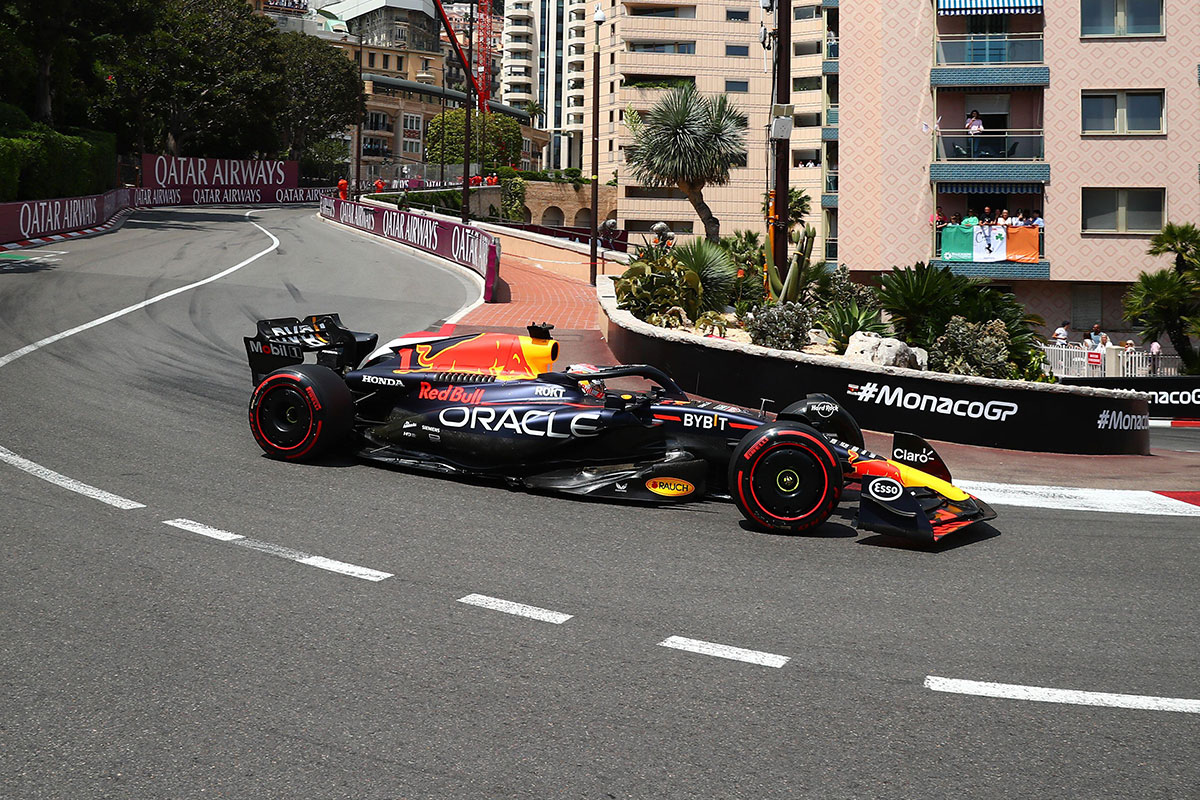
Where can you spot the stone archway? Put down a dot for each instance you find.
(583, 218)
(552, 217)
(526, 214)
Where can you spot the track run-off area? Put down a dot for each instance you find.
(184, 617)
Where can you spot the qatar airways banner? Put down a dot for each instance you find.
(169, 172)
(470, 247)
(37, 219)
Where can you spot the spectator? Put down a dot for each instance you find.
(970, 219)
(1105, 342)
(379, 186)
(343, 185)
(1003, 219)
(1061, 334)
(1155, 356)
(937, 219)
(974, 127)
(987, 217)
(1095, 335)
(1037, 221)
(956, 219)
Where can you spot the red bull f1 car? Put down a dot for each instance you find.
(491, 404)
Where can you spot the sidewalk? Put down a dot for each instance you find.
(534, 294)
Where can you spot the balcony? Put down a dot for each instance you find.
(994, 269)
(989, 75)
(991, 48)
(1014, 144)
(521, 11)
(831, 114)
(831, 181)
(519, 26)
(517, 46)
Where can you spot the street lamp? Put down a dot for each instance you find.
(362, 110)
(599, 19)
(466, 189)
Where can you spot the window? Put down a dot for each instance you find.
(655, 192)
(737, 86)
(387, 59)
(683, 12)
(686, 48)
(737, 50)
(1122, 210)
(1126, 112)
(644, 225)
(806, 12)
(1121, 17)
(737, 15)
(806, 84)
(412, 145)
(370, 59)
(412, 122)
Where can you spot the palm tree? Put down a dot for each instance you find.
(689, 141)
(1165, 302)
(1182, 240)
(534, 109)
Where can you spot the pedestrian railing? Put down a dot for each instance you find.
(1076, 361)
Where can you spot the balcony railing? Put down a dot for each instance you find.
(831, 250)
(831, 114)
(937, 243)
(1013, 144)
(990, 48)
(831, 182)
(1071, 361)
(831, 50)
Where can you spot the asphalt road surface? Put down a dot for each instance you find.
(145, 660)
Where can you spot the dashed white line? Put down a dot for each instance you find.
(342, 567)
(519, 609)
(203, 530)
(1041, 694)
(725, 651)
(47, 474)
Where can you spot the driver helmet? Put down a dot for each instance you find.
(593, 388)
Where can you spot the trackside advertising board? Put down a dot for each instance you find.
(1177, 397)
(1003, 414)
(36, 219)
(226, 181)
(464, 245)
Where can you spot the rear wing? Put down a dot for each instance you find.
(283, 342)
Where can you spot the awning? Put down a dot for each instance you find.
(960, 7)
(989, 188)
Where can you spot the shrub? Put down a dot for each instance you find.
(572, 173)
(506, 172)
(840, 322)
(512, 198)
(13, 119)
(841, 291)
(712, 322)
(715, 269)
(783, 326)
(650, 290)
(973, 348)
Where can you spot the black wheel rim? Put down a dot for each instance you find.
(789, 483)
(284, 417)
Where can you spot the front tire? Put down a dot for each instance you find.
(300, 412)
(784, 476)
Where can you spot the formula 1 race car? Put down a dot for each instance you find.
(489, 404)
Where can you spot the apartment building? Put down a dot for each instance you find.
(1091, 113)
(647, 46)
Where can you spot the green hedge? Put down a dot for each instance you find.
(40, 163)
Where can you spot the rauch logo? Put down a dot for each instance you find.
(670, 487)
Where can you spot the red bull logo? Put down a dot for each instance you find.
(450, 394)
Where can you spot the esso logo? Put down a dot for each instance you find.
(885, 490)
(824, 408)
(670, 487)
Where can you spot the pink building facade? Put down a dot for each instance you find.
(1090, 112)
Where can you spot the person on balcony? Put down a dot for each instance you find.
(970, 219)
(1037, 221)
(1004, 219)
(1061, 334)
(974, 127)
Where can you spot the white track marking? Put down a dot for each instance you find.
(1065, 498)
(353, 570)
(203, 530)
(725, 651)
(309, 560)
(519, 609)
(38, 345)
(1040, 694)
(38, 471)
(70, 483)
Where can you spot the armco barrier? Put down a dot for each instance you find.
(992, 413)
(465, 245)
(1175, 397)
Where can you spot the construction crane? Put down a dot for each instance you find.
(482, 80)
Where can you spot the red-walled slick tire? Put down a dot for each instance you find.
(300, 412)
(784, 476)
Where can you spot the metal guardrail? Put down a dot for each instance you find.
(990, 48)
(1072, 361)
(1013, 144)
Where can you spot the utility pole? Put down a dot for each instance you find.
(599, 20)
(358, 142)
(783, 161)
(469, 110)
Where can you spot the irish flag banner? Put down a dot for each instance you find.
(990, 244)
(957, 243)
(1023, 245)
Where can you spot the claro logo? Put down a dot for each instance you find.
(885, 490)
(871, 392)
(912, 457)
(670, 487)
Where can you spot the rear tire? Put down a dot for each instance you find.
(300, 412)
(785, 476)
